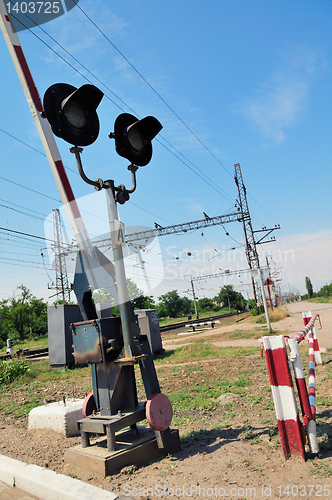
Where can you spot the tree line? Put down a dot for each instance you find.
(24, 316)
(171, 305)
(325, 291)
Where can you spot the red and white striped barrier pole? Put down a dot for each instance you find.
(91, 256)
(314, 356)
(283, 396)
(306, 318)
(308, 416)
(312, 390)
(44, 129)
(292, 439)
(302, 333)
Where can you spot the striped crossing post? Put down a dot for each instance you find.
(312, 390)
(306, 318)
(284, 396)
(308, 417)
(290, 428)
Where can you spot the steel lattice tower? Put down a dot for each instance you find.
(61, 278)
(251, 250)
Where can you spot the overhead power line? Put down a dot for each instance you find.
(176, 228)
(30, 189)
(152, 88)
(67, 168)
(227, 272)
(24, 234)
(201, 174)
(25, 263)
(22, 142)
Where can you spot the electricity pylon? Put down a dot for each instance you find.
(251, 250)
(61, 277)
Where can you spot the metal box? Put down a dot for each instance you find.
(97, 340)
(103, 310)
(60, 350)
(149, 325)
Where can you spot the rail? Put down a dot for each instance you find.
(28, 353)
(182, 324)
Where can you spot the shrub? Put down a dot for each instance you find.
(12, 369)
(255, 311)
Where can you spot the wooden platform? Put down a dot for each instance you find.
(133, 449)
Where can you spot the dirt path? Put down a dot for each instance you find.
(292, 323)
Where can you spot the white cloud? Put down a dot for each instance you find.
(281, 99)
(277, 108)
(302, 255)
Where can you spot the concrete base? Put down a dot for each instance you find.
(133, 449)
(57, 417)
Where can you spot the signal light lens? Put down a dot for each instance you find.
(75, 114)
(135, 139)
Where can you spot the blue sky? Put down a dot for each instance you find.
(231, 82)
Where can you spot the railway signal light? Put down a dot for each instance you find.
(71, 112)
(133, 137)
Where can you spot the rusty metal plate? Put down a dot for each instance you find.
(159, 412)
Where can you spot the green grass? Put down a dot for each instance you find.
(199, 399)
(321, 469)
(23, 409)
(241, 382)
(27, 384)
(320, 300)
(323, 401)
(195, 398)
(249, 435)
(254, 399)
(200, 349)
(325, 442)
(276, 315)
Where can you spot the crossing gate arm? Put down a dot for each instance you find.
(43, 127)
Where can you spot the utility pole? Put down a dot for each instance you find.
(194, 297)
(251, 250)
(269, 283)
(61, 277)
(229, 304)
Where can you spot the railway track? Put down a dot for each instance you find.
(38, 353)
(182, 324)
(27, 353)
